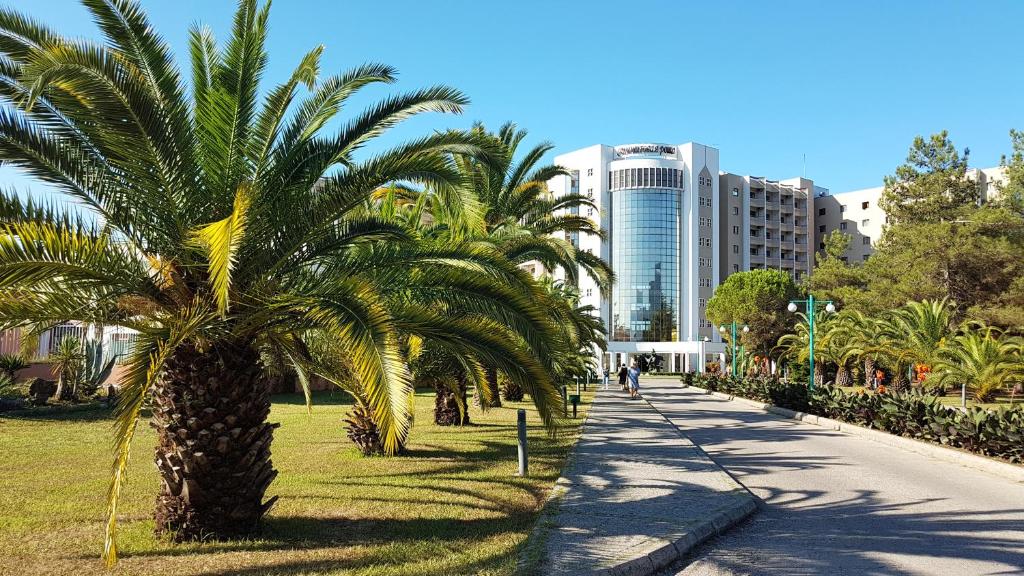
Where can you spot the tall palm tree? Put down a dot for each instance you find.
(982, 360)
(227, 230)
(510, 207)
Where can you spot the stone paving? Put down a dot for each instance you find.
(635, 495)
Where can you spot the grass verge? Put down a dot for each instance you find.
(451, 505)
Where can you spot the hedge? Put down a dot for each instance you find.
(913, 414)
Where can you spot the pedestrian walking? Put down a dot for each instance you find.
(623, 371)
(633, 374)
(606, 378)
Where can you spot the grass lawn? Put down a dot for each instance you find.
(451, 505)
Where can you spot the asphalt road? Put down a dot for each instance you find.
(837, 504)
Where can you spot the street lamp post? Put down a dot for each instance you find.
(811, 306)
(733, 342)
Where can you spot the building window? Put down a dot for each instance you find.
(864, 223)
(863, 205)
(590, 211)
(735, 249)
(842, 208)
(821, 228)
(735, 191)
(865, 257)
(842, 225)
(735, 267)
(589, 291)
(866, 241)
(705, 282)
(590, 171)
(590, 193)
(702, 302)
(735, 229)
(821, 211)
(735, 210)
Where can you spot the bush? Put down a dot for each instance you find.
(997, 433)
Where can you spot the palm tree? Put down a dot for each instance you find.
(67, 363)
(924, 327)
(795, 346)
(520, 216)
(227, 230)
(505, 203)
(981, 360)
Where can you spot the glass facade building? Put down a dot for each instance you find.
(645, 255)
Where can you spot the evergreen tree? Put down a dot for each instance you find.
(931, 186)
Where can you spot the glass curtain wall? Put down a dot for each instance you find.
(645, 254)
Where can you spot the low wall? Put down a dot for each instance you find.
(44, 370)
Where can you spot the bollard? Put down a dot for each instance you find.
(578, 388)
(963, 395)
(523, 461)
(575, 399)
(587, 383)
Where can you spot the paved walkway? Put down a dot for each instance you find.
(634, 494)
(839, 504)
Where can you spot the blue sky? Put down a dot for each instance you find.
(848, 84)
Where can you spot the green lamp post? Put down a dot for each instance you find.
(811, 306)
(732, 341)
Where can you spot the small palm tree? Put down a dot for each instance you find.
(229, 229)
(980, 359)
(923, 328)
(795, 346)
(10, 364)
(68, 363)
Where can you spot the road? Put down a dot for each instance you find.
(831, 503)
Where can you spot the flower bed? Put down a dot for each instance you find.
(996, 433)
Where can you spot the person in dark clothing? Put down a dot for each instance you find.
(623, 371)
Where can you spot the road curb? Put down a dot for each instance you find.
(649, 562)
(656, 561)
(939, 452)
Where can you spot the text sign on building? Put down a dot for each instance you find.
(644, 150)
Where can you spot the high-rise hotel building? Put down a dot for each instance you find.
(674, 227)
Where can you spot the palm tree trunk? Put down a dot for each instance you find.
(900, 382)
(869, 371)
(843, 376)
(491, 382)
(213, 453)
(446, 404)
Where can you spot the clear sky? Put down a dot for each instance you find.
(848, 84)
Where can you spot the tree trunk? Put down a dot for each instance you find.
(900, 382)
(843, 376)
(491, 382)
(446, 405)
(869, 371)
(210, 411)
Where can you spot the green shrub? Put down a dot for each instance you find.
(997, 433)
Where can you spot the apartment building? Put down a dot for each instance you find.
(675, 226)
(857, 214)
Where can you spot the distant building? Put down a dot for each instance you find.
(675, 227)
(857, 213)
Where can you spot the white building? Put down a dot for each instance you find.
(857, 214)
(672, 234)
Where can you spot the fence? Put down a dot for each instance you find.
(116, 341)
